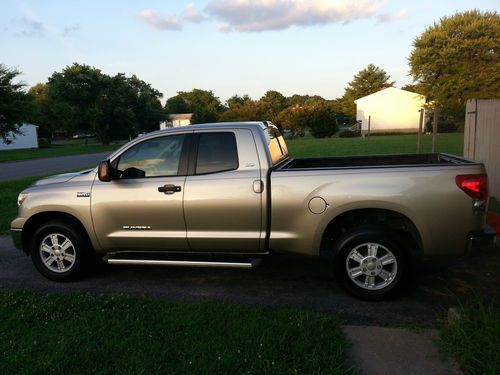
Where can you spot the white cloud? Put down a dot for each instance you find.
(189, 15)
(261, 15)
(391, 17)
(153, 19)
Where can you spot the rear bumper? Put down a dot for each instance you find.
(17, 238)
(484, 239)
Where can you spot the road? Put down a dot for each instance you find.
(284, 282)
(26, 168)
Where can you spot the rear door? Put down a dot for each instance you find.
(223, 195)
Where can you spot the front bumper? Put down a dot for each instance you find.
(17, 238)
(477, 241)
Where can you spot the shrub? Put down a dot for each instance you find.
(44, 143)
(346, 133)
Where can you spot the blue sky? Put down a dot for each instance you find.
(228, 46)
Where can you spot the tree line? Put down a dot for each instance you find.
(452, 60)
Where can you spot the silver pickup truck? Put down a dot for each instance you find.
(228, 194)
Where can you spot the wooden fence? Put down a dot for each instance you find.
(482, 138)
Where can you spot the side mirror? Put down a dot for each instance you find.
(104, 171)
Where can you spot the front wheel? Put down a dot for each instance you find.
(59, 252)
(370, 264)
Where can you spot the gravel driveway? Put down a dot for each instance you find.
(279, 282)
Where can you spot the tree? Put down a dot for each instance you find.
(368, 80)
(249, 111)
(204, 105)
(271, 104)
(304, 99)
(293, 118)
(41, 113)
(15, 105)
(236, 101)
(457, 58)
(82, 98)
(77, 93)
(322, 120)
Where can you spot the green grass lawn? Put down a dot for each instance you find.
(84, 334)
(474, 339)
(451, 143)
(9, 191)
(55, 150)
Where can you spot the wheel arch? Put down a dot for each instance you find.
(38, 219)
(399, 224)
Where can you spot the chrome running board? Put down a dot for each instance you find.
(250, 263)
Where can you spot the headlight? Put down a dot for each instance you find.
(21, 198)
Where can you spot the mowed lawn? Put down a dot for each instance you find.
(84, 334)
(451, 143)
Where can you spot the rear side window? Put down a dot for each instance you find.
(277, 146)
(217, 152)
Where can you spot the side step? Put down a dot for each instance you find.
(219, 262)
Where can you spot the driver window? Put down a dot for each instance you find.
(152, 158)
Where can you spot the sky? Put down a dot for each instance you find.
(231, 47)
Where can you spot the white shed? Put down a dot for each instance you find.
(389, 110)
(28, 138)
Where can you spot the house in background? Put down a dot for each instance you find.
(389, 110)
(176, 120)
(28, 138)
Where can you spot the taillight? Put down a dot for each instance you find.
(475, 185)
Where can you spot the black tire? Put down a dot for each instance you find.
(80, 250)
(389, 280)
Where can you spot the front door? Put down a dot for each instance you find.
(142, 208)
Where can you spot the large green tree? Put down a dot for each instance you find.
(322, 120)
(82, 98)
(15, 105)
(236, 101)
(42, 114)
(367, 81)
(271, 104)
(203, 104)
(457, 58)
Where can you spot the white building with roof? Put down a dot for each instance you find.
(27, 138)
(176, 120)
(389, 110)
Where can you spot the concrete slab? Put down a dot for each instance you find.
(387, 351)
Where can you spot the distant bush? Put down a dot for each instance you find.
(44, 143)
(446, 126)
(346, 133)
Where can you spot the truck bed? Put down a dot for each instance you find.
(374, 161)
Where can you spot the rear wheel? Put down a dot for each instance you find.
(370, 264)
(59, 252)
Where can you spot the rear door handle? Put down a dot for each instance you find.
(169, 189)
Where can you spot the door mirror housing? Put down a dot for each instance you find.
(104, 171)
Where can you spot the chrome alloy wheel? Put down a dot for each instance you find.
(371, 266)
(57, 253)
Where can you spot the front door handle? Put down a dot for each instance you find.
(169, 189)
